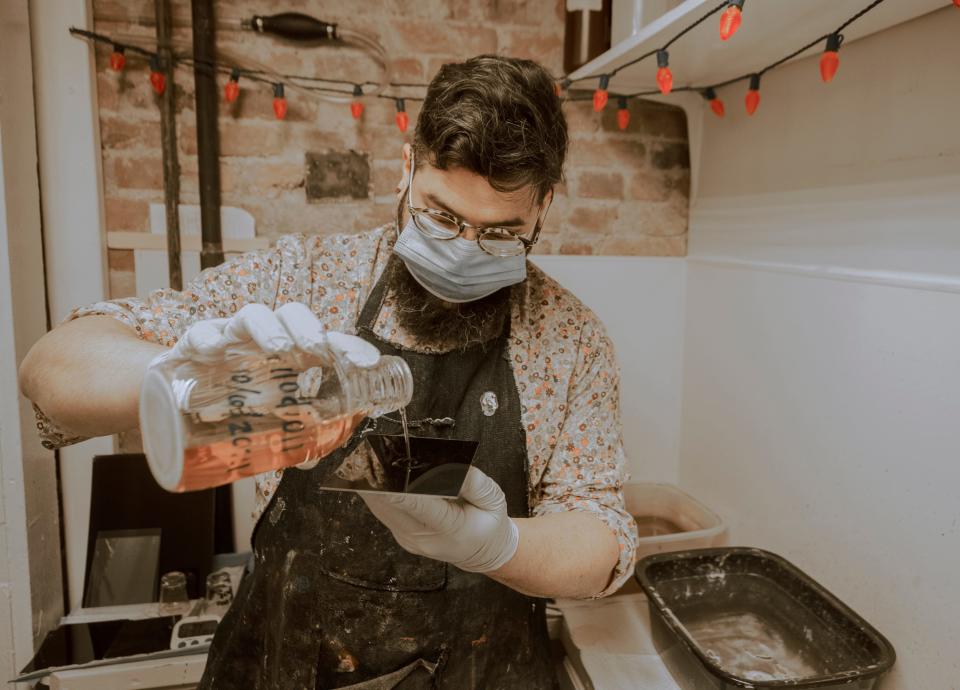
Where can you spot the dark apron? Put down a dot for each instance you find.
(333, 600)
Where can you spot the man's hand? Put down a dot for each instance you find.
(273, 332)
(472, 532)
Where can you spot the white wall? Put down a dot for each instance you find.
(821, 374)
(640, 301)
(30, 567)
(68, 145)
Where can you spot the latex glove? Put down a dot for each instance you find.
(472, 532)
(273, 332)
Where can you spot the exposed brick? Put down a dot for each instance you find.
(606, 151)
(263, 167)
(600, 185)
(641, 245)
(128, 133)
(533, 44)
(120, 259)
(670, 155)
(238, 138)
(571, 246)
(648, 118)
(508, 11)
(595, 219)
(386, 176)
(581, 119)
(413, 37)
(126, 214)
(407, 70)
(653, 219)
(648, 187)
(135, 172)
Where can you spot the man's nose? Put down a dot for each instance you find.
(470, 233)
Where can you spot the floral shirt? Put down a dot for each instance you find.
(563, 361)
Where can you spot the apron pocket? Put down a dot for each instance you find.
(360, 550)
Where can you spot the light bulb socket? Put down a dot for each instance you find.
(565, 83)
(735, 3)
(234, 74)
(709, 94)
(622, 102)
(119, 49)
(754, 82)
(833, 42)
(663, 58)
(278, 90)
(401, 105)
(154, 63)
(604, 82)
(357, 91)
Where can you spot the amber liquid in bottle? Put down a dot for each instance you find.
(252, 452)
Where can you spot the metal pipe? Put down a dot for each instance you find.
(168, 140)
(208, 139)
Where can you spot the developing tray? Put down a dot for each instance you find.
(746, 618)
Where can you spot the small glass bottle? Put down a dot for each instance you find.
(204, 425)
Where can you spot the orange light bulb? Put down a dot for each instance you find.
(231, 89)
(730, 19)
(356, 106)
(402, 119)
(157, 79)
(279, 102)
(623, 114)
(117, 59)
(830, 59)
(601, 95)
(716, 105)
(664, 76)
(753, 95)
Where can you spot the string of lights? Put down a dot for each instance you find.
(731, 17)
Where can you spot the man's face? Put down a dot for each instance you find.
(470, 198)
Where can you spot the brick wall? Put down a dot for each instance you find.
(626, 192)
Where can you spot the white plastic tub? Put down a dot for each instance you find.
(669, 519)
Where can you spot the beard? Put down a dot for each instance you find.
(439, 325)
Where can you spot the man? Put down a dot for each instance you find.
(408, 592)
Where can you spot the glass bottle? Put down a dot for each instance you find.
(204, 425)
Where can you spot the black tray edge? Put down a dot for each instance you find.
(640, 575)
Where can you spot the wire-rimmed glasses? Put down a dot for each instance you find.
(496, 241)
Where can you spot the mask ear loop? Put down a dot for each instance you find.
(539, 226)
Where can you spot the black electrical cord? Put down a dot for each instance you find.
(295, 79)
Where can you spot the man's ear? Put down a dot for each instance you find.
(402, 184)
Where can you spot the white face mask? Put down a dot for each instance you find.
(456, 270)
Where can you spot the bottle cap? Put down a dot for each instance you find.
(161, 430)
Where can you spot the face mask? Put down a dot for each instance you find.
(456, 270)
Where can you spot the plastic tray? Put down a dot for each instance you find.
(746, 618)
(689, 524)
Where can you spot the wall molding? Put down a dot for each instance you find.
(900, 279)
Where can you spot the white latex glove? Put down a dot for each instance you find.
(273, 332)
(472, 532)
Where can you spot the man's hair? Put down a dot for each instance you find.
(498, 117)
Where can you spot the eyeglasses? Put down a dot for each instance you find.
(496, 241)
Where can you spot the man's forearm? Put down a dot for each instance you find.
(85, 375)
(562, 555)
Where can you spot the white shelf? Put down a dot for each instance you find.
(771, 29)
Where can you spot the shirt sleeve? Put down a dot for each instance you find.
(163, 315)
(587, 469)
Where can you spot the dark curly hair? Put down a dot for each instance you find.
(498, 117)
